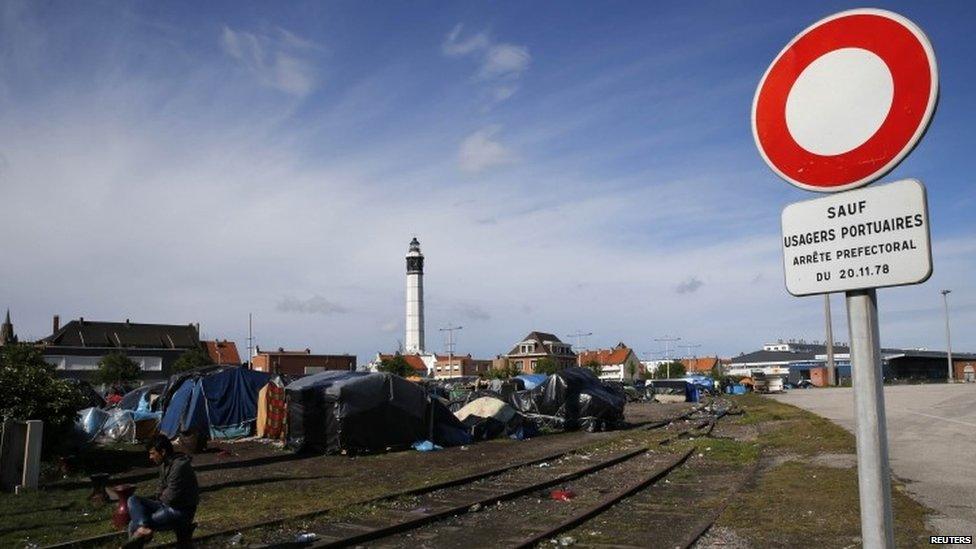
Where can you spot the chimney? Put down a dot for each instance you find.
(55, 324)
(81, 320)
(127, 322)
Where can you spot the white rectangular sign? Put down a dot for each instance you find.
(867, 238)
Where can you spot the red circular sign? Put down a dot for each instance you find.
(899, 47)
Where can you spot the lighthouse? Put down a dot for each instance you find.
(415, 299)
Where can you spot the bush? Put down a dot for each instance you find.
(674, 369)
(594, 367)
(117, 369)
(396, 365)
(507, 371)
(193, 358)
(547, 366)
(29, 389)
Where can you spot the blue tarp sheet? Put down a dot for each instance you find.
(223, 404)
(532, 380)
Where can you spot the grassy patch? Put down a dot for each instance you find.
(759, 409)
(801, 505)
(792, 430)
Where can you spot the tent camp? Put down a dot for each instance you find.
(271, 409)
(489, 417)
(144, 399)
(355, 412)
(577, 397)
(221, 403)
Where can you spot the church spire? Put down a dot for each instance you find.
(7, 334)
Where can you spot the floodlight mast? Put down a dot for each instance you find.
(579, 335)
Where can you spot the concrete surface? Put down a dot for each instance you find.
(931, 439)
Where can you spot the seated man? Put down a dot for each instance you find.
(176, 502)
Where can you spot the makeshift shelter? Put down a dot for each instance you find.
(271, 409)
(576, 398)
(221, 403)
(144, 399)
(686, 390)
(532, 381)
(115, 425)
(334, 411)
(489, 417)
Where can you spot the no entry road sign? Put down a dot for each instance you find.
(846, 100)
(868, 238)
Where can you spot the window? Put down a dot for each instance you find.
(534, 362)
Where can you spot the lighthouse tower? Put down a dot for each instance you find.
(415, 299)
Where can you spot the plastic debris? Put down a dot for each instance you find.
(474, 508)
(544, 464)
(236, 539)
(567, 540)
(562, 495)
(426, 446)
(306, 537)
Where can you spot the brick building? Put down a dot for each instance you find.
(526, 354)
(459, 366)
(222, 352)
(300, 363)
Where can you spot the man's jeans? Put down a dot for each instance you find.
(155, 515)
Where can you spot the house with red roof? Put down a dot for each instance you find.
(701, 366)
(617, 364)
(422, 365)
(222, 352)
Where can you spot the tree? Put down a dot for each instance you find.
(116, 368)
(193, 358)
(671, 369)
(547, 365)
(632, 368)
(594, 366)
(506, 371)
(29, 389)
(717, 372)
(396, 365)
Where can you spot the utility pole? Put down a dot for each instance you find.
(831, 367)
(450, 346)
(688, 347)
(945, 302)
(250, 340)
(579, 335)
(667, 349)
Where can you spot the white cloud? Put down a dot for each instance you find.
(505, 61)
(280, 62)
(454, 47)
(500, 64)
(480, 151)
(316, 305)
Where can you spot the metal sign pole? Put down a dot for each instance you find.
(873, 478)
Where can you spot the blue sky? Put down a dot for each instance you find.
(566, 166)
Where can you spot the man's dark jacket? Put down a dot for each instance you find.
(178, 483)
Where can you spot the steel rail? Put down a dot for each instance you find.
(607, 503)
(464, 508)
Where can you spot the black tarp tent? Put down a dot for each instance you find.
(358, 412)
(576, 396)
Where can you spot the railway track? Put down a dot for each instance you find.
(356, 533)
(389, 520)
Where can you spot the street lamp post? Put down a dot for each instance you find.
(450, 350)
(945, 302)
(579, 335)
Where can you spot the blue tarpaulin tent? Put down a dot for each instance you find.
(221, 403)
(532, 380)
